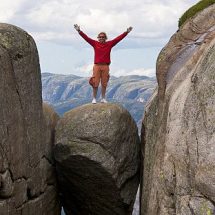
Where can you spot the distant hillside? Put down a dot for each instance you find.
(65, 92)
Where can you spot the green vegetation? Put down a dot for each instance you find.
(194, 10)
(205, 209)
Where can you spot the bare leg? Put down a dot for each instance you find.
(103, 91)
(95, 89)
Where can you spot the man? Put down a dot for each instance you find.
(102, 49)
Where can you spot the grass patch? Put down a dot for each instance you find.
(194, 10)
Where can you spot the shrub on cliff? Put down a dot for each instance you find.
(195, 9)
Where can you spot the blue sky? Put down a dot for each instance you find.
(63, 51)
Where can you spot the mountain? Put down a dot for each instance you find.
(65, 92)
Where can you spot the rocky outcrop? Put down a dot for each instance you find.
(97, 155)
(178, 133)
(183, 45)
(27, 185)
(51, 118)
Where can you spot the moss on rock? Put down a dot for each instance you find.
(194, 10)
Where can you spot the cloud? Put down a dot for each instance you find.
(9, 8)
(52, 20)
(141, 71)
(144, 72)
(84, 70)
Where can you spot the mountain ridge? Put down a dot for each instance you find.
(65, 92)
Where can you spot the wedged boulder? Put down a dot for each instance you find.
(97, 158)
(25, 168)
(178, 133)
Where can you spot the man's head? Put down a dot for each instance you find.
(102, 37)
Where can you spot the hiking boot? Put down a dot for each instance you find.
(94, 101)
(103, 100)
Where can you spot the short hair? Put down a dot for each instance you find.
(104, 34)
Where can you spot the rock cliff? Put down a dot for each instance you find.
(27, 181)
(97, 155)
(178, 133)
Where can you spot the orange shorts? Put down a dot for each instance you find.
(101, 72)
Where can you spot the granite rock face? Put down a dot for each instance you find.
(27, 185)
(97, 158)
(178, 133)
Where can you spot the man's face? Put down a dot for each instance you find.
(102, 38)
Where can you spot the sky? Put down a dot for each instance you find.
(63, 51)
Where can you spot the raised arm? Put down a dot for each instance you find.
(84, 36)
(120, 37)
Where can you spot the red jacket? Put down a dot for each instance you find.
(102, 50)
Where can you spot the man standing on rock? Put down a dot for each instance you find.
(102, 60)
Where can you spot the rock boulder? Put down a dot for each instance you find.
(97, 154)
(27, 185)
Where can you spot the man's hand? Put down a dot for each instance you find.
(77, 27)
(129, 29)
